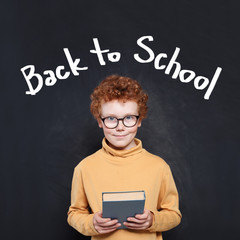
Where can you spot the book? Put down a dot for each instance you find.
(121, 205)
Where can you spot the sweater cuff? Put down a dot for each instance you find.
(164, 221)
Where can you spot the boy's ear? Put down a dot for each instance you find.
(100, 123)
(139, 123)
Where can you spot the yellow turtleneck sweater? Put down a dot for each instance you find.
(110, 170)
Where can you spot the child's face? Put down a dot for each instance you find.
(121, 137)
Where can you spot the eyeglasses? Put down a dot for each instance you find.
(112, 122)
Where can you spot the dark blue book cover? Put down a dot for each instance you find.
(122, 209)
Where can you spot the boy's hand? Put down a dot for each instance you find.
(140, 221)
(104, 225)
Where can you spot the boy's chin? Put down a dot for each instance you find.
(120, 146)
(117, 146)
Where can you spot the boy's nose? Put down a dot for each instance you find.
(120, 125)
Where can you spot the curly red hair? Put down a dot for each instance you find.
(121, 88)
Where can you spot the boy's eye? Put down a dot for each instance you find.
(111, 119)
(129, 117)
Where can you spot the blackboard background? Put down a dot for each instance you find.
(43, 137)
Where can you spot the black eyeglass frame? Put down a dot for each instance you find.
(120, 119)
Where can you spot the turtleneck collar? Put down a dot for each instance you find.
(122, 153)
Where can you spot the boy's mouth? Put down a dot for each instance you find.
(120, 135)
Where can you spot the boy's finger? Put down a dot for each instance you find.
(141, 216)
(103, 220)
(109, 223)
(109, 229)
(99, 219)
(144, 215)
(133, 225)
(135, 220)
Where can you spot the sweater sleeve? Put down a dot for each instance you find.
(79, 216)
(168, 215)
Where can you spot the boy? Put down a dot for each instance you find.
(119, 105)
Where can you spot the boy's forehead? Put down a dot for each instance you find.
(116, 107)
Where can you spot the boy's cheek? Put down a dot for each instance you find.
(107, 131)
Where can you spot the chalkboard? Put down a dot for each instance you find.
(185, 55)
